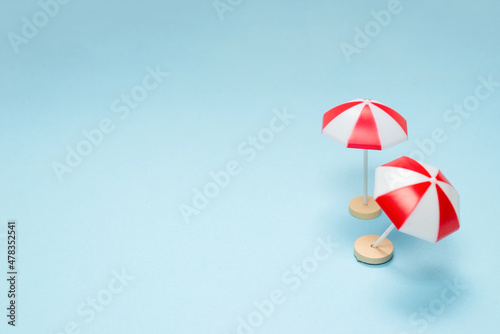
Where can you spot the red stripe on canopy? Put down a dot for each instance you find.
(448, 219)
(400, 203)
(365, 132)
(440, 177)
(395, 115)
(334, 112)
(410, 164)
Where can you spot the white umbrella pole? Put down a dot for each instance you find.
(365, 181)
(383, 236)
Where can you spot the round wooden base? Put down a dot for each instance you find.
(364, 251)
(358, 210)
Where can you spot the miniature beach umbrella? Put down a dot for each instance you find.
(369, 125)
(419, 201)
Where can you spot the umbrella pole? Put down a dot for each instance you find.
(383, 236)
(365, 179)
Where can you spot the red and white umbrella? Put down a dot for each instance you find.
(365, 124)
(417, 198)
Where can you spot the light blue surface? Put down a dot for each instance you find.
(119, 209)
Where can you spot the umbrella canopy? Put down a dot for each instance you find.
(365, 124)
(417, 198)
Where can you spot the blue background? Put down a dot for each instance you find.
(119, 209)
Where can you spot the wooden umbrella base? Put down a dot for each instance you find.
(358, 210)
(364, 252)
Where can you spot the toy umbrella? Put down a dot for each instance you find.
(418, 199)
(369, 125)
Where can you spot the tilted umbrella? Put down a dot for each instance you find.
(418, 199)
(369, 125)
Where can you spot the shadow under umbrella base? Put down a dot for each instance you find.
(361, 211)
(364, 252)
